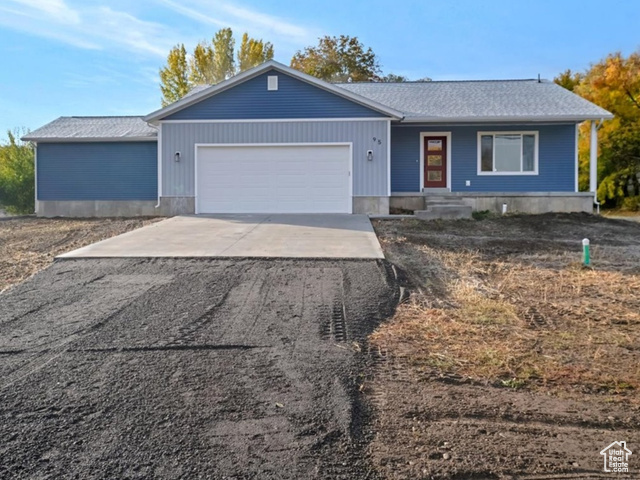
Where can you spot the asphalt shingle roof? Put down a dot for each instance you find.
(479, 100)
(455, 101)
(93, 128)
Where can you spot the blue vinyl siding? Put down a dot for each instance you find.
(556, 167)
(98, 171)
(293, 99)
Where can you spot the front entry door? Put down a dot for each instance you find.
(435, 162)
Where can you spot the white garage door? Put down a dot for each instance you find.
(273, 179)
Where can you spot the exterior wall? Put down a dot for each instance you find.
(520, 202)
(293, 99)
(371, 205)
(97, 171)
(407, 202)
(369, 177)
(536, 203)
(115, 208)
(556, 167)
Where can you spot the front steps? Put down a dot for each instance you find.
(443, 208)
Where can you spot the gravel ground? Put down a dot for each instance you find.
(189, 369)
(28, 243)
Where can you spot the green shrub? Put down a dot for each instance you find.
(17, 187)
(481, 214)
(631, 204)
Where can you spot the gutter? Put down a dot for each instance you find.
(497, 120)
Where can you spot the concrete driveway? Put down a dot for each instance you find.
(248, 236)
(189, 368)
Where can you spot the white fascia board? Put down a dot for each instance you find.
(254, 72)
(280, 120)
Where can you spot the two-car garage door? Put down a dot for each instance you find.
(274, 178)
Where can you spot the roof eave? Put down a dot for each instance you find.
(501, 119)
(254, 72)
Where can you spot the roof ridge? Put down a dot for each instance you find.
(103, 116)
(446, 81)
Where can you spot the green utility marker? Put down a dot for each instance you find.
(586, 257)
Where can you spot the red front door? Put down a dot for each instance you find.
(435, 162)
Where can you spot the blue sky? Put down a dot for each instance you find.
(89, 57)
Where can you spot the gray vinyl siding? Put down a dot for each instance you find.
(98, 171)
(556, 159)
(369, 177)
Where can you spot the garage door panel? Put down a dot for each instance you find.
(274, 179)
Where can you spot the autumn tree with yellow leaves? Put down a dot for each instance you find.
(614, 84)
(211, 62)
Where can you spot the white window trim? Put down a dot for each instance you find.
(535, 153)
(435, 134)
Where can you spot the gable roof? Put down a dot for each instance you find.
(480, 101)
(206, 92)
(94, 129)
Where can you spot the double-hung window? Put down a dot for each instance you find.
(507, 153)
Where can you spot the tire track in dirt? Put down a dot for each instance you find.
(213, 369)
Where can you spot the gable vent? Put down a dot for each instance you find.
(272, 82)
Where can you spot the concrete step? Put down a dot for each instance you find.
(444, 212)
(443, 201)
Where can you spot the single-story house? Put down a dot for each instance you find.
(275, 140)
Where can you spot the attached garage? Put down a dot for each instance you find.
(274, 178)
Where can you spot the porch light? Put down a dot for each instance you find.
(370, 155)
(177, 156)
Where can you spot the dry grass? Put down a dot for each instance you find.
(29, 244)
(531, 318)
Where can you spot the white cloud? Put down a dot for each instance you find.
(88, 26)
(194, 14)
(93, 25)
(55, 9)
(263, 21)
(240, 19)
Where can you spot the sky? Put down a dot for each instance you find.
(90, 57)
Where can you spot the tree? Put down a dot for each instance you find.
(211, 62)
(338, 59)
(17, 187)
(614, 84)
(253, 52)
(201, 65)
(174, 78)
(569, 79)
(393, 78)
(223, 60)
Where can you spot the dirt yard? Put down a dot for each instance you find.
(189, 369)
(29, 244)
(508, 359)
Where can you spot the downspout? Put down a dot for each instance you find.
(159, 164)
(35, 178)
